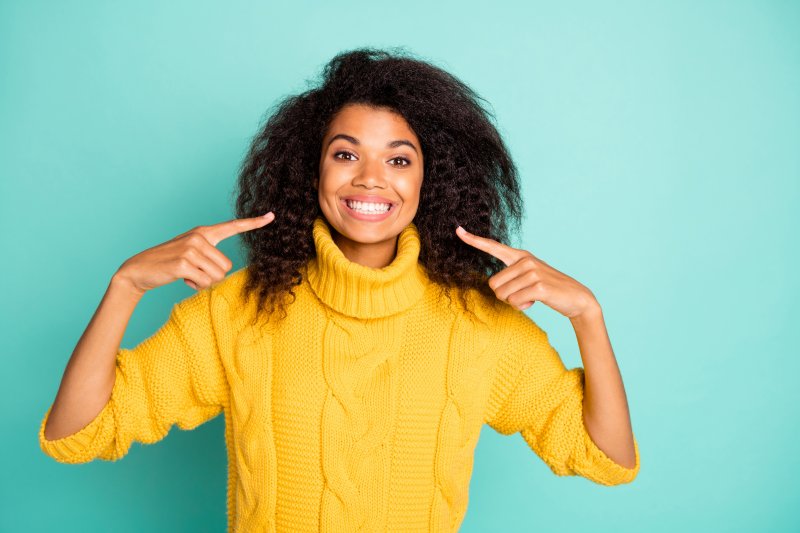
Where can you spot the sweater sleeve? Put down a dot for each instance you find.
(173, 377)
(533, 393)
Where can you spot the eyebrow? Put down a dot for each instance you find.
(393, 144)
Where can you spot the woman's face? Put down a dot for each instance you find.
(372, 156)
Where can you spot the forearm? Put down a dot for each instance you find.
(89, 376)
(605, 405)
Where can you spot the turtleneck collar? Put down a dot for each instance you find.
(365, 292)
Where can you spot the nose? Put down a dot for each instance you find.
(371, 173)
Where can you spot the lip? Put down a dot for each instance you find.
(369, 198)
(368, 218)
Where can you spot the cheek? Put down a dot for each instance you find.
(329, 190)
(410, 189)
(328, 183)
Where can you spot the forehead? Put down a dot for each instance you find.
(365, 119)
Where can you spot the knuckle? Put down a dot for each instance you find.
(196, 239)
(225, 263)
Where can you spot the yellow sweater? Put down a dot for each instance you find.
(358, 412)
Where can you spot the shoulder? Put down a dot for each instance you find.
(226, 298)
(210, 298)
(486, 311)
(229, 289)
(506, 323)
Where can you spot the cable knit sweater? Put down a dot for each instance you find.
(361, 410)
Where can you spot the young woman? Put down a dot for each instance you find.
(377, 325)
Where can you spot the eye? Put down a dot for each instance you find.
(336, 155)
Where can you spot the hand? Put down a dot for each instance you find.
(527, 279)
(191, 256)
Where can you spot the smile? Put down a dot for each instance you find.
(368, 207)
(367, 211)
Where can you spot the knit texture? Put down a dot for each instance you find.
(361, 410)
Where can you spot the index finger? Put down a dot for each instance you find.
(219, 232)
(503, 252)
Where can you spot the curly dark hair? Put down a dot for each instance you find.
(469, 178)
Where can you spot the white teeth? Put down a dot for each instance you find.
(367, 207)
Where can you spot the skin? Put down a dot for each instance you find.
(526, 280)
(369, 167)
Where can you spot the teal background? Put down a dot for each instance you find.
(659, 147)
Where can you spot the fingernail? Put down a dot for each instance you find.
(460, 228)
(267, 214)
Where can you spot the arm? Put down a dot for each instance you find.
(546, 401)
(173, 377)
(110, 397)
(89, 375)
(534, 394)
(605, 405)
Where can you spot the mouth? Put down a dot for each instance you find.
(374, 211)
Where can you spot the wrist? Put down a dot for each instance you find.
(592, 313)
(123, 284)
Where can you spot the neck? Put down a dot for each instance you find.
(361, 291)
(373, 255)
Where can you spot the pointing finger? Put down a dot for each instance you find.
(504, 253)
(219, 232)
